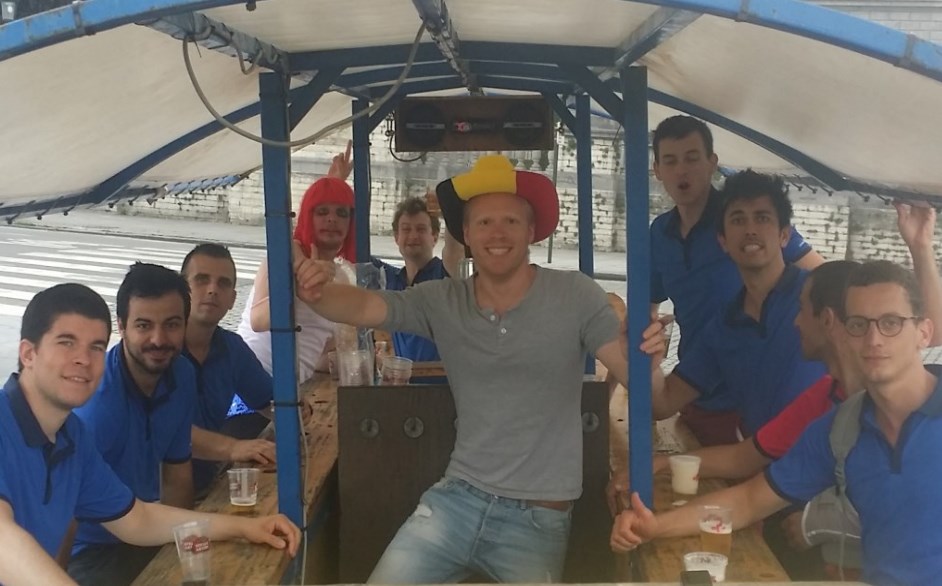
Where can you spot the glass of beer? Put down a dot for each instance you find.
(716, 529)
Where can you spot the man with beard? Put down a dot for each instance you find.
(50, 468)
(749, 355)
(224, 365)
(141, 416)
(688, 266)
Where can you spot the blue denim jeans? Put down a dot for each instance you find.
(457, 530)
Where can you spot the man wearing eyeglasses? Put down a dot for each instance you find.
(895, 467)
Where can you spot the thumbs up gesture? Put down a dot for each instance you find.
(310, 274)
(633, 526)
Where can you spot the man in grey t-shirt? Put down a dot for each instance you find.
(513, 339)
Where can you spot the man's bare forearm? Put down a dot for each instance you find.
(22, 560)
(208, 445)
(350, 305)
(732, 462)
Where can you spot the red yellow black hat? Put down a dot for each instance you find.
(496, 174)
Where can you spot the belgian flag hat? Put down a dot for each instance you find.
(496, 174)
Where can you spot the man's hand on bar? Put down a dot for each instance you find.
(275, 530)
(260, 451)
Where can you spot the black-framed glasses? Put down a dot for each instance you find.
(889, 325)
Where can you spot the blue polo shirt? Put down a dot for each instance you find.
(696, 274)
(230, 369)
(754, 367)
(416, 348)
(894, 488)
(136, 433)
(48, 484)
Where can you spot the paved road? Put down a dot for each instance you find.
(32, 260)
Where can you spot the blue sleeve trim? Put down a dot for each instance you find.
(755, 442)
(778, 490)
(108, 518)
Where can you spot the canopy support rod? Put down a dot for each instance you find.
(361, 179)
(583, 133)
(562, 111)
(273, 94)
(596, 88)
(438, 23)
(634, 82)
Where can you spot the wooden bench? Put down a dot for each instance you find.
(395, 442)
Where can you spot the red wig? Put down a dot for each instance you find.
(326, 190)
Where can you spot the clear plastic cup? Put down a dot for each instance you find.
(716, 529)
(356, 367)
(396, 370)
(713, 563)
(193, 548)
(332, 365)
(685, 474)
(243, 486)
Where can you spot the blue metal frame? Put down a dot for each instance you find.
(596, 88)
(635, 122)
(377, 117)
(273, 94)
(438, 23)
(216, 36)
(302, 100)
(361, 179)
(828, 26)
(81, 19)
(583, 134)
(562, 111)
(659, 27)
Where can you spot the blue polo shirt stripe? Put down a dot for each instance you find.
(755, 367)
(135, 433)
(48, 484)
(895, 490)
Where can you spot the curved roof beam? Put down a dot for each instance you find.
(81, 19)
(658, 28)
(438, 23)
(216, 36)
(302, 100)
(828, 26)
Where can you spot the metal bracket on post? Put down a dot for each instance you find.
(361, 179)
(635, 122)
(276, 161)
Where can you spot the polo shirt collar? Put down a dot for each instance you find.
(217, 347)
(427, 267)
(707, 219)
(167, 380)
(23, 413)
(736, 317)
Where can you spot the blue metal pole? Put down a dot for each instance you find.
(635, 123)
(276, 161)
(583, 134)
(361, 179)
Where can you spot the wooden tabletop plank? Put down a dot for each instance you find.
(252, 564)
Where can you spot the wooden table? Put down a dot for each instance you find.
(662, 560)
(246, 563)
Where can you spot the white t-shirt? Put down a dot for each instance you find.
(315, 331)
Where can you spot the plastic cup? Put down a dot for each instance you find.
(716, 529)
(396, 370)
(243, 486)
(193, 548)
(685, 474)
(356, 367)
(332, 365)
(713, 563)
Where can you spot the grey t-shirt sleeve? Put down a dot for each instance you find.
(408, 310)
(599, 322)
